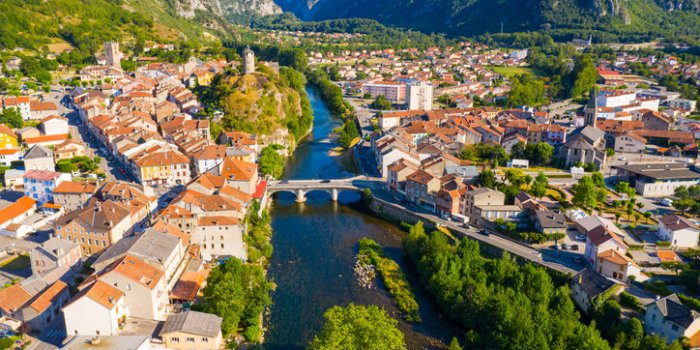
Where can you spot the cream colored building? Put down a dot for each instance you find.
(192, 330)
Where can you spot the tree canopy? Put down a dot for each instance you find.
(358, 327)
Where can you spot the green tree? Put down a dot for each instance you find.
(358, 328)
(454, 344)
(539, 187)
(12, 118)
(515, 176)
(271, 163)
(585, 194)
(381, 103)
(487, 179)
(348, 133)
(584, 74)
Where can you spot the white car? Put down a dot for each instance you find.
(580, 237)
(667, 202)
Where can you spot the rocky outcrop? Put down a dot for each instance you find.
(226, 8)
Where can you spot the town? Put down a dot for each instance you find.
(124, 198)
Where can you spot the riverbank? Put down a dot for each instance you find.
(315, 244)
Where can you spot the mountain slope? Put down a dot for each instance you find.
(85, 24)
(469, 17)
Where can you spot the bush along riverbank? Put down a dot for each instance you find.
(370, 254)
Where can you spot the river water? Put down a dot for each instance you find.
(314, 248)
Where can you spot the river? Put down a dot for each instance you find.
(314, 248)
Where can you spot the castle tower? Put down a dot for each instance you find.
(113, 55)
(591, 111)
(248, 61)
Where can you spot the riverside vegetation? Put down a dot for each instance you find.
(370, 253)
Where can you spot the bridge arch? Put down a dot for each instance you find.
(301, 193)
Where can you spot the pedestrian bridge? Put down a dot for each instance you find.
(331, 186)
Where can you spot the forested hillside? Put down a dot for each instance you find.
(86, 24)
(627, 19)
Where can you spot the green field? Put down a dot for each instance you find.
(512, 71)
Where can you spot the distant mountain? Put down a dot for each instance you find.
(641, 18)
(234, 10)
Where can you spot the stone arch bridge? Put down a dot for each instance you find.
(332, 186)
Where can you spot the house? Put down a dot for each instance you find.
(41, 310)
(160, 249)
(549, 222)
(8, 138)
(618, 266)
(480, 197)
(95, 227)
(13, 178)
(41, 109)
(9, 155)
(192, 330)
(144, 287)
(39, 158)
(103, 302)
(654, 120)
(397, 173)
(601, 239)
(220, 236)
(421, 188)
(20, 103)
(586, 144)
(69, 149)
(630, 142)
(240, 174)
(45, 140)
(54, 125)
(55, 253)
(161, 166)
(73, 195)
(15, 213)
(587, 286)
(679, 231)
(670, 319)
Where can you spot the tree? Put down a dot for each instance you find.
(585, 194)
(584, 74)
(539, 187)
(12, 118)
(624, 188)
(238, 293)
(610, 152)
(358, 327)
(349, 133)
(271, 163)
(683, 204)
(487, 179)
(381, 103)
(515, 176)
(598, 179)
(647, 216)
(454, 344)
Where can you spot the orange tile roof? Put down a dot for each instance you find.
(138, 270)
(667, 255)
(238, 170)
(13, 297)
(189, 285)
(17, 208)
(615, 257)
(217, 221)
(8, 151)
(45, 138)
(74, 187)
(4, 129)
(104, 294)
(50, 295)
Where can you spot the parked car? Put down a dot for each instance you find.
(580, 237)
(565, 246)
(666, 202)
(574, 247)
(325, 181)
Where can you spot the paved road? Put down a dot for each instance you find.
(559, 108)
(363, 114)
(110, 167)
(561, 261)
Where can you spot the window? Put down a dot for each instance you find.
(190, 340)
(222, 246)
(175, 339)
(205, 340)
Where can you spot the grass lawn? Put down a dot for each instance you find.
(509, 72)
(20, 262)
